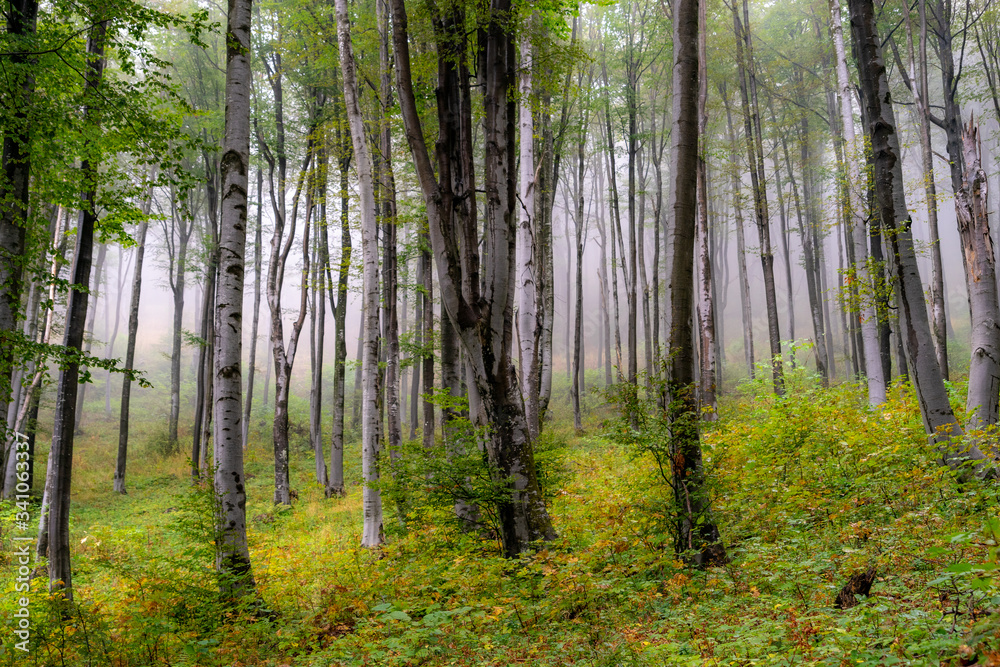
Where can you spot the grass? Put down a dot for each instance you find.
(807, 490)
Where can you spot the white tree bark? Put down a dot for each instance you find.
(527, 311)
(853, 156)
(232, 553)
(974, 228)
(372, 535)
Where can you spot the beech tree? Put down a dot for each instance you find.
(696, 534)
(482, 312)
(372, 533)
(232, 553)
(939, 420)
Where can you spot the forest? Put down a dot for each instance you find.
(633, 332)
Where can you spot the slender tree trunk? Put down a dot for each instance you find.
(528, 325)
(741, 257)
(133, 328)
(60, 474)
(109, 353)
(177, 286)
(257, 265)
(336, 481)
(705, 309)
(856, 208)
(372, 535)
(204, 411)
(615, 224)
(580, 224)
(427, 304)
(602, 229)
(390, 272)
(317, 315)
(922, 98)
(418, 341)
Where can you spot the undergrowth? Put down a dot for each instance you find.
(807, 490)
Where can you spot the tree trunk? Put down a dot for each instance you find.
(755, 158)
(705, 310)
(60, 474)
(528, 324)
(109, 353)
(615, 223)
(14, 189)
(939, 420)
(257, 265)
(858, 232)
(98, 293)
(697, 537)
(133, 328)
(390, 276)
(177, 287)
(427, 314)
(232, 556)
(580, 224)
(484, 323)
(372, 535)
(971, 204)
(336, 479)
(317, 312)
(741, 256)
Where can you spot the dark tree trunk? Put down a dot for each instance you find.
(88, 342)
(939, 420)
(755, 158)
(335, 487)
(14, 190)
(60, 474)
(133, 328)
(481, 312)
(697, 536)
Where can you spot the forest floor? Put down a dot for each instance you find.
(807, 491)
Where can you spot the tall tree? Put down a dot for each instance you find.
(386, 182)
(16, 164)
(856, 218)
(257, 266)
(755, 159)
(528, 321)
(232, 554)
(482, 312)
(696, 536)
(60, 472)
(939, 420)
(372, 534)
(133, 329)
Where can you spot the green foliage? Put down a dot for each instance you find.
(807, 489)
